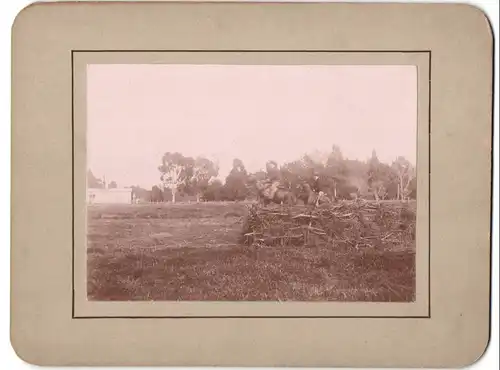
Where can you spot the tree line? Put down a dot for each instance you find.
(186, 178)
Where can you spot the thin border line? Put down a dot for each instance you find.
(248, 51)
(73, 184)
(250, 317)
(429, 115)
(429, 52)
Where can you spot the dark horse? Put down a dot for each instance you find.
(310, 197)
(307, 195)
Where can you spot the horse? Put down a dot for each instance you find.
(272, 193)
(309, 197)
(282, 196)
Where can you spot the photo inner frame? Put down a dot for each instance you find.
(362, 228)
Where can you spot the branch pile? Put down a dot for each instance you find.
(350, 224)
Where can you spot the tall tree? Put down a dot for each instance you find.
(357, 173)
(375, 177)
(214, 191)
(405, 173)
(337, 171)
(412, 188)
(176, 171)
(204, 170)
(335, 155)
(156, 194)
(236, 181)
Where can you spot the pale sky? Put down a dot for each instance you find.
(252, 112)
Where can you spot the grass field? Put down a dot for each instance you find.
(191, 252)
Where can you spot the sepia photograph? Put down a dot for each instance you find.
(267, 167)
(251, 182)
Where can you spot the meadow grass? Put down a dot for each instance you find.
(190, 252)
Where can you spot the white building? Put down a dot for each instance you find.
(110, 196)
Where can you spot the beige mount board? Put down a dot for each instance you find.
(448, 323)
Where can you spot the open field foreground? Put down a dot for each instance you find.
(195, 252)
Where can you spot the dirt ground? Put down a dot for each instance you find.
(191, 252)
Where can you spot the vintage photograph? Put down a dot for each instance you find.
(251, 182)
